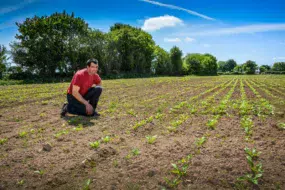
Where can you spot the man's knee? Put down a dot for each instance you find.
(98, 89)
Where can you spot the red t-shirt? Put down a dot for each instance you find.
(84, 81)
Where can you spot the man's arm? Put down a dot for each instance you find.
(99, 84)
(77, 95)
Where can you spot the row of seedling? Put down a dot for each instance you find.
(262, 106)
(96, 144)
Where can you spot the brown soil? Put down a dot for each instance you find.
(69, 161)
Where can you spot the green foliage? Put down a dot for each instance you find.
(256, 169)
(48, 43)
(176, 60)
(180, 171)
(252, 152)
(151, 139)
(264, 68)
(40, 172)
(87, 185)
(249, 67)
(136, 152)
(106, 139)
(173, 183)
(161, 61)
(21, 182)
(23, 134)
(94, 144)
(200, 141)
(60, 133)
(132, 47)
(2, 141)
(213, 122)
(201, 64)
(278, 66)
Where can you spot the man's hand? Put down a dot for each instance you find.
(89, 109)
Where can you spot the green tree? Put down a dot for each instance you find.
(238, 69)
(161, 61)
(209, 65)
(193, 62)
(48, 43)
(176, 60)
(249, 67)
(221, 66)
(134, 48)
(278, 66)
(264, 68)
(230, 65)
(3, 59)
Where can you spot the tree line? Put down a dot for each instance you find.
(60, 44)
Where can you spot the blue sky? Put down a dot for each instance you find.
(240, 29)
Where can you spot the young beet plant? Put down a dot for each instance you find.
(256, 169)
(106, 139)
(200, 141)
(212, 123)
(2, 141)
(151, 139)
(95, 144)
(134, 152)
(247, 125)
(179, 170)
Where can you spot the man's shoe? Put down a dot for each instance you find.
(63, 110)
(96, 114)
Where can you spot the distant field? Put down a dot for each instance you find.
(155, 133)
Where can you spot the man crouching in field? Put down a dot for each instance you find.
(84, 91)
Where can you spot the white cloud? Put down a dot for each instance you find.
(178, 8)
(187, 39)
(4, 10)
(172, 40)
(156, 23)
(248, 29)
(278, 58)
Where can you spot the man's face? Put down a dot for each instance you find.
(93, 69)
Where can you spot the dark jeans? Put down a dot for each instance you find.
(76, 107)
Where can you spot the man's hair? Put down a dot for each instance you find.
(95, 61)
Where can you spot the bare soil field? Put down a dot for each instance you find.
(222, 132)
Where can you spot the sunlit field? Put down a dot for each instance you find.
(220, 132)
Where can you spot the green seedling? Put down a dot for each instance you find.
(252, 153)
(78, 128)
(180, 172)
(200, 141)
(41, 172)
(57, 135)
(131, 112)
(172, 183)
(212, 123)
(158, 116)
(150, 119)
(151, 139)
(23, 134)
(21, 182)
(94, 144)
(106, 139)
(2, 141)
(136, 152)
(139, 124)
(87, 185)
